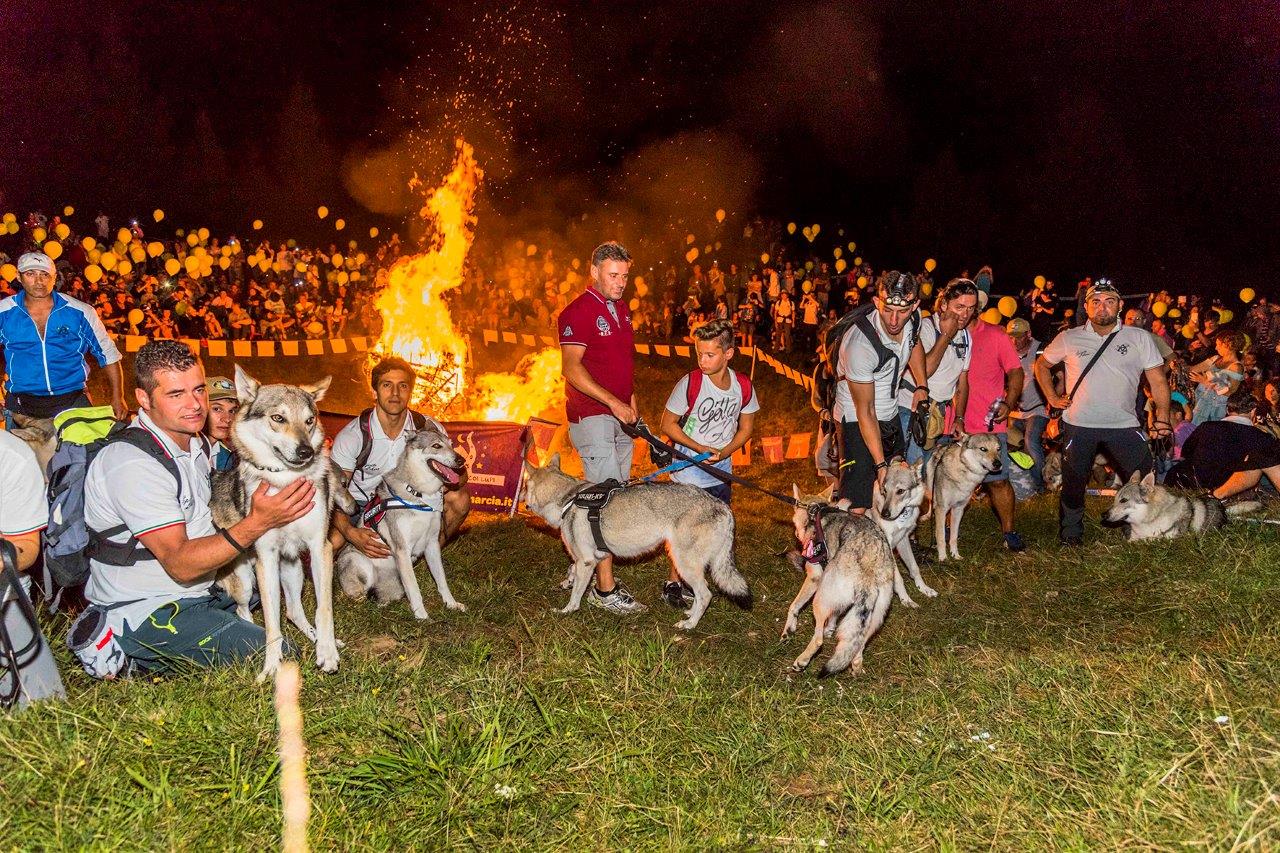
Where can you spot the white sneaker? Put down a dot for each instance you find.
(619, 602)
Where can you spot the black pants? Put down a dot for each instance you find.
(1127, 448)
(857, 468)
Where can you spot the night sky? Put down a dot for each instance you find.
(1128, 139)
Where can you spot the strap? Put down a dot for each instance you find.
(1097, 355)
(12, 659)
(366, 439)
(691, 391)
(597, 533)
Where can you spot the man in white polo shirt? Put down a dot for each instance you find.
(153, 547)
(1098, 412)
(386, 428)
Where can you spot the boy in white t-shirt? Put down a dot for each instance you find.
(711, 409)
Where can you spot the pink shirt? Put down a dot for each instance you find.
(993, 357)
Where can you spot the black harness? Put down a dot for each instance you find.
(816, 550)
(593, 497)
(381, 504)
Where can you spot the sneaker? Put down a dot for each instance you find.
(619, 601)
(678, 594)
(1013, 541)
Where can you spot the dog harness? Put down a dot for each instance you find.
(816, 550)
(374, 511)
(593, 497)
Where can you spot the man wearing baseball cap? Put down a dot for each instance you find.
(1104, 361)
(1030, 412)
(45, 336)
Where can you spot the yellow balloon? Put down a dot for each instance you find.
(108, 260)
(1159, 308)
(93, 272)
(791, 228)
(223, 263)
(720, 214)
(764, 259)
(373, 232)
(1175, 313)
(135, 317)
(343, 277)
(172, 266)
(95, 255)
(634, 304)
(68, 210)
(857, 262)
(991, 315)
(355, 276)
(124, 235)
(322, 211)
(815, 228)
(853, 247)
(38, 235)
(257, 225)
(157, 214)
(1246, 295)
(137, 254)
(9, 272)
(63, 230)
(12, 228)
(155, 248)
(124, 268)
(926, 289)
(9, 217)
(53, 249)
(192, 264)
(339, 224)
(1040, 281)
(337, 259)
(841, 264)
(930, 265)
(203, 234)
(837, 251)
(1189, 331)
(691, 255)
(807, 287)
(1008, 306)
(863, 281)
(193, 239)
(1225, 315)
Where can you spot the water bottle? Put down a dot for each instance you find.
(992, 411)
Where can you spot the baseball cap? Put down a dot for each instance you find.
(35, 261)
(1102, 285)
(899, 289)
(1017, 327)
(220, 388)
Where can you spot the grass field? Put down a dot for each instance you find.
(1118, 696)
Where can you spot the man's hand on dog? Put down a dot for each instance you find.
(368, 542)
(287, 505)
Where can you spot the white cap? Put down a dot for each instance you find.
(35, 261)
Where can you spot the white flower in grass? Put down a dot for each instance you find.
(505, 792)
(1221, 719)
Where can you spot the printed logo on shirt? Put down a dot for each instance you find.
(567, 333)
(603, 325)
(1123, 349)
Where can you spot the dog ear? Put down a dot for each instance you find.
(246, 386)
(1135, 476)
(795, 491)
(317, 389)
(1149, 480)
(554, 461)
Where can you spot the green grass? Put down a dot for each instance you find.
(1042, 700)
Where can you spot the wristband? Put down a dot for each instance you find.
(234, 544)
(880, 465)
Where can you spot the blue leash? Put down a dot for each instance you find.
(404, 504)
(678, 465)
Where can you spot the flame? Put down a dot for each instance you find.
(418, 327)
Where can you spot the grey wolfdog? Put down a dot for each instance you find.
(409, 526)
(278, 437)
(696, 528)
(952, 473)
(1156, 512)
(895, 507)
(852, 594)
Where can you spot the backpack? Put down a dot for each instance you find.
(695, 387)
(69, 542)
(366, 435)
(861, 318)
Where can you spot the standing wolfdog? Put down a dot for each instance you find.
(278, 437)
(696, 528)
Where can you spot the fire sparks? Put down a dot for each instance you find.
(418, 327)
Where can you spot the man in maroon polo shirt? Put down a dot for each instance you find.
(596, 344)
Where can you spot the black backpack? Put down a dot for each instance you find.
(861, 317)
(366, 435)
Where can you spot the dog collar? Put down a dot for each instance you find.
(258, 467)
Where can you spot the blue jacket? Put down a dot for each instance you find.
(55, 363)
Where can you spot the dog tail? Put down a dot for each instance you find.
(730, 581)
(1243, 508)
(355, 573)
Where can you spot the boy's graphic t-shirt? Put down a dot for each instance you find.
(713, 421)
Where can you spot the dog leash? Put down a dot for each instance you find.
(639, 430)
(672, 468)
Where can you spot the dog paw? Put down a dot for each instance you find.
(268, 670)
(421, 615)
(795, 667)
(907, 602)
(686, 624)
(327, 660)
(339, 643)
(927, 591)
(457, 605)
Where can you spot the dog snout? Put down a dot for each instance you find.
(304, 453)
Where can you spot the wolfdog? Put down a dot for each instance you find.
(852, 593)
(696, 528)
(40, 435)
(407, 523)
(278, 437)
(895, 507)
(953, 472)
(1156, 512)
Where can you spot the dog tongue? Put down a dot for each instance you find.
(446, 473)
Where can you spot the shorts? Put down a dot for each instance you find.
(1005, 461)
(857, 468)
(721, 491)
(604, 448)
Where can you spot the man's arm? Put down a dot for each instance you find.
(27, 546)
(1012, 393)
(960, 402)
(947, 329)
(1159, 384)
(187, 560)
(576, 375)
(366, 540)
(746, 422)
(115, 378)
(670, 427)
(1044, 378)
